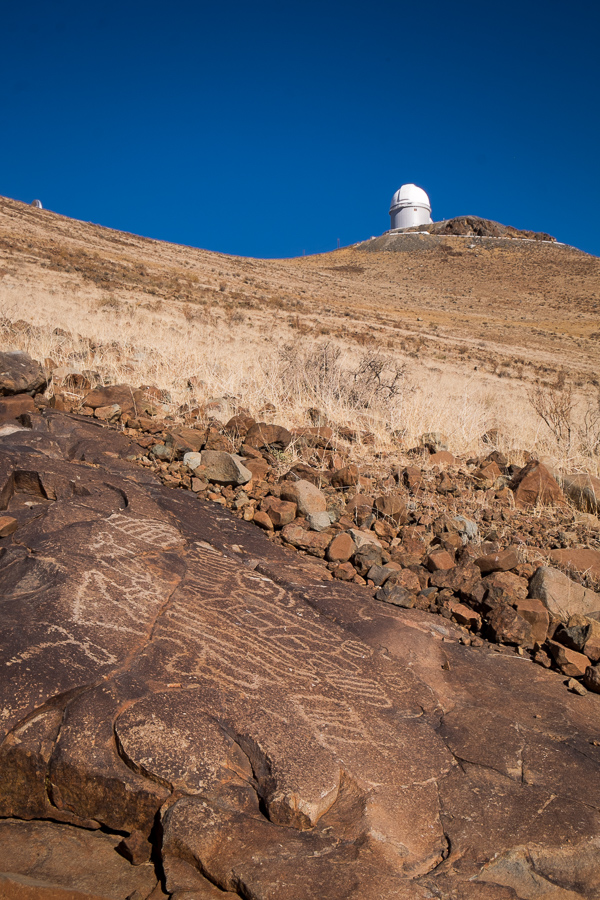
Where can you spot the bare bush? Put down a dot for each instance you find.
(574, 423)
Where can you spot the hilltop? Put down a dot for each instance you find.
(471, 323)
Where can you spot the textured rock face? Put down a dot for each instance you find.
(170, 674)
(19, 373)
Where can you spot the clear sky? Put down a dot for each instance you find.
(276, 128)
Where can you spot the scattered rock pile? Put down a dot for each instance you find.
(470, 540)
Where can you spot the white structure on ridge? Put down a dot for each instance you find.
(37, 204)
(410, 206)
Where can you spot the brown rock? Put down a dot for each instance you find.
(20, 374)
(393, 507)
(8, 525)
(239, 425)
(579, 558)
(508, 587)
(584, 491)
(412, 478)
(508, 627)
(561, 596)
(224, 468)
(440, 561)
(259, 468)
(568, 661)
(591, 679)
(17, 405)
(346, 477)
(263, 436)
(314, 543)
(442, 458)
(319, 436)
(341, 548)
(534, 612)
(217, 441)
(108, 413)
(344, 571)
(396, 595)
(360, 508)
(535, 485)
(502, 561)
(130, 400)
(280, 512)
(263, 519)
(136, 848)
(465, 616)
(308, 498)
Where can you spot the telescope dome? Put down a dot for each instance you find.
(410, 206)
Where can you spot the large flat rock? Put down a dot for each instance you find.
(170, 674)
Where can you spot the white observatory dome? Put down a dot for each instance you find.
(410, 206)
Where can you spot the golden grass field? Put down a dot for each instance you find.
(401, 335)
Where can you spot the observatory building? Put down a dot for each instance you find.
(37, 204)
(410, 206)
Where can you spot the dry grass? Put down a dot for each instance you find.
(298, 334)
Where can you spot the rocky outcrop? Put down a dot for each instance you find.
(183, 690)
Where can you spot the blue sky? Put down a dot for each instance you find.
(272, 129)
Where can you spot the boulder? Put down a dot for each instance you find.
(568, 661)
(508, 627)
(130, 400)
(582, 559)
(502, 561)
(345, 477)
(396, 595)
(392, 506)
(280, 512)
(308, 498)
(263, 436)
(224, 468)
(20, 374)
(534, 612)
(535, 485)
(562, 597)
(316, 544)
(584, 491)
(341, 549)
(11, 407)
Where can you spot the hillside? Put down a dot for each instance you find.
(472, 322)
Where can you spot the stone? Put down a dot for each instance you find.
(442, 458)
(591, 679)
(192, 460)
(20, 374)
(412, 477)
(319, 436)
(344, 571)
(224, 468)
(535, 485)
(502, 561)
(239, 425)
(379, 574)
(405, 578)
(187, 440)
(319, 521)
(434, 441)
(440, 561)
(308, 498)
(579, 558)
(108, 413)
(341, 548)
(584, 491)
(313, 542)
(393, 507)
(568, 661)
(576, 687)
(508, 627)
(136, 848)
(366, 556)
(361, 537)
(259, 468)
(534, 612)
(8, 525)
(280, 512)
(360, 509)
(562, 597)
(345, 477)
(51, 861)
(467, 528)
(396, 595)
(130, 400)
(14, 406)
(263, 519)
(465, 616)
(263, 436)
(506, 586)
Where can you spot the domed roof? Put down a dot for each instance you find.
(410, 195)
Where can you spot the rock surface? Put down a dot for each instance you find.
(175, 677)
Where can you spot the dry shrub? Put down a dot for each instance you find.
(574, 422)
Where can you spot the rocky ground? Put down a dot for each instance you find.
(234, 671)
